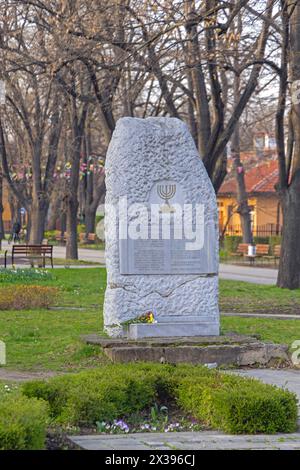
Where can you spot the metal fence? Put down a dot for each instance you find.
(258, 231)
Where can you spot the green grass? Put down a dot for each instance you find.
(81, 287)
(50, 339)
(246, 298)
(92, 246)
(73, 262)
(277, 331)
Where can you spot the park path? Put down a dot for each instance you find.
(23, 376)
(247, 273)
(205, 440)
(227, 271)
(284, 378)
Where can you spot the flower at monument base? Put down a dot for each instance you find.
(147, 317)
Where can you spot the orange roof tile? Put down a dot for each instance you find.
(260, 178)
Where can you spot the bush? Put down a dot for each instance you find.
(231, 243)
(81, 228)
(23, 423)
(222, 401)
(238, 405)
(261, 240)
(22, 297)
(274, 240)
(50, 235)
(90, 396)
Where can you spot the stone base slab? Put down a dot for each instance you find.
(176, 329)
(231, 350)
(230, 338)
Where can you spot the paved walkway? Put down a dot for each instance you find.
(248, 274)
(23, 376)
(227, 271)
(206, 440)
(60, 252)
(285, 378)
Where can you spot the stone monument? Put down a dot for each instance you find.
(161, 230)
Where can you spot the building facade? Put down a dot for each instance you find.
(260, 181)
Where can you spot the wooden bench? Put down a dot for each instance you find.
(89, 238)
(242, 250)
(30, 252)
(60, 237)
(277, 251)
(262, 250)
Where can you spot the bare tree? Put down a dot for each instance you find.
(289, 159)
(242, 199)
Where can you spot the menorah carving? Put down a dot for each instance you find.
(166, 192)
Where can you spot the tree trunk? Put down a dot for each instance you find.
(63, 222)
(72, 202)
(38, 217)
(197, 78)
(28, 228)
(90, 219)
(289, 266)
(242, 199)
(289, 181)
(54, 212)
(2, 233)
(15, 209)
(72, 245)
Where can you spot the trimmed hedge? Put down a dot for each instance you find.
(23, 422)
(106, 394)
(222, 401)
(238, 405)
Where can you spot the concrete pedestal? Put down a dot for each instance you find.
(178, 329)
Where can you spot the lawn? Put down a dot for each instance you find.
(245, 297)
(72, 262)
(50, 339)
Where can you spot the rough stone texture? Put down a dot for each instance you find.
(232, 349)
(142, 152)
(221, 354)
